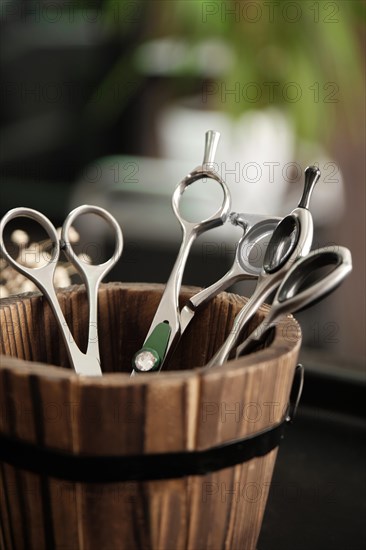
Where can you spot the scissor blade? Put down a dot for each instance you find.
(186, 316)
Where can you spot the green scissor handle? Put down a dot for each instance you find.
(149, 357)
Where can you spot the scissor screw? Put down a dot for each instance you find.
(146, 360)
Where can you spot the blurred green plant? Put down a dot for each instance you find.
(303, 57)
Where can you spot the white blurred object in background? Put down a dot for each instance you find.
(255, 157)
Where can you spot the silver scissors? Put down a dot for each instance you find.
(303, 285)
(257, 231)
(165, 326)
(291, 240)
(87, 363)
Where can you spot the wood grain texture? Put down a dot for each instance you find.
(184, 408)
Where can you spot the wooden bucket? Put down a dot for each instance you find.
(179, 460)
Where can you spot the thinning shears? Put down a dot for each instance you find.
(87, 363)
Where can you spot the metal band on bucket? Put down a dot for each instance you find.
(108, 469)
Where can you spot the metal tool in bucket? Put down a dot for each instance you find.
(87, 363)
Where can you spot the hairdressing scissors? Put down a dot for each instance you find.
(291, 240)
(87, 363)
(257, 231)
(303, 285)
(165, 326)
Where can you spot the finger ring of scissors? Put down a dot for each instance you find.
(87, 363)
(303, 285)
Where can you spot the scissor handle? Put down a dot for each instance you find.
(240, 269)
(202, 172)
(296, 292)
(236, 273)
(211, 142)
(218, 218)
(41, 276)
(294, 295)
(91, 272)
(255, 236)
